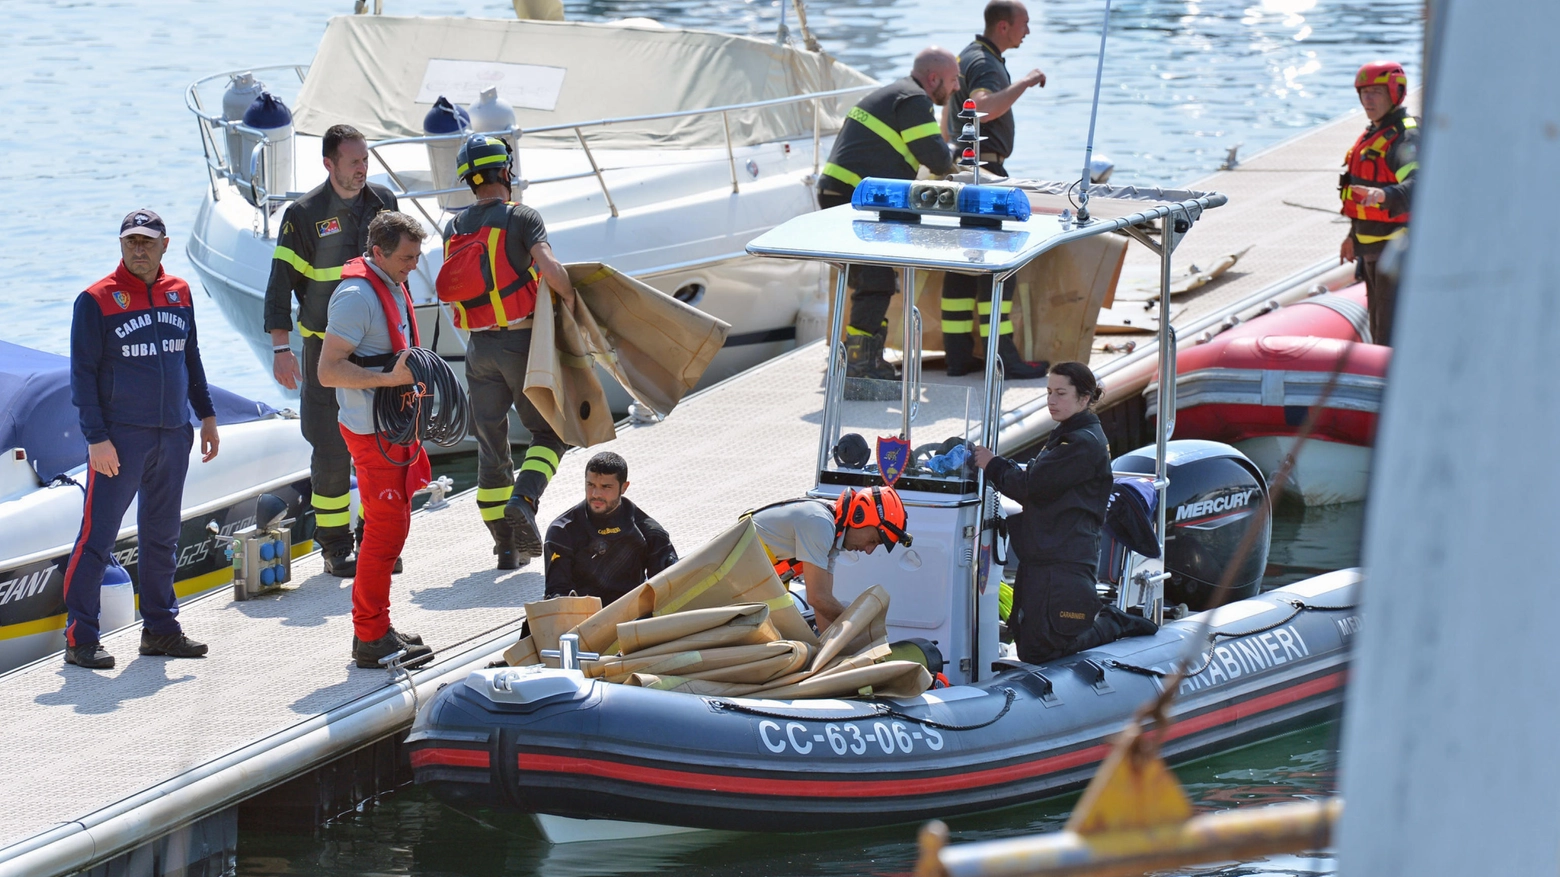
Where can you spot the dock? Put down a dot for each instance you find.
(111, 762)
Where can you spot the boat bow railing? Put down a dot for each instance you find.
(219, 165)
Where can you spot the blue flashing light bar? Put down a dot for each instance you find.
(933, 198)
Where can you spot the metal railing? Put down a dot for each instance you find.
(218, 168)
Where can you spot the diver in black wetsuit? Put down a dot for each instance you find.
(1056, 611)
(605, 546)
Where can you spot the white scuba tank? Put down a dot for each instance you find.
(446, 118)
(491, 114)
(241, 92)
(270, 117)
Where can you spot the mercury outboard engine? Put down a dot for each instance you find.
(1214, 499)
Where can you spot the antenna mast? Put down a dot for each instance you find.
(1094, 109)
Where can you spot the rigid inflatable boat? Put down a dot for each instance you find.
(1253, 385)
(594, 759)
(42, 487)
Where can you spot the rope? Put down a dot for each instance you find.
(879, 711)
(432, 408)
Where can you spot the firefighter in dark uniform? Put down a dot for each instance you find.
(605, 546)
(1056, 611)
(1378, 183)
(494, 252)
(135, 374)
(984, 78)
(891, 133)
(319, 233)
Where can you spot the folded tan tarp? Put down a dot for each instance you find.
(659, 637)
(654, 345)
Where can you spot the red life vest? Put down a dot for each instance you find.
(358, 267)
(480, 285)
(1366, 165)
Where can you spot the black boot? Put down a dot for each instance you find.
(340, 563)
(368, 654)
(90, 655)
(520, 512)
(959, 355)
(1014, 367)
(504, 545)
(868, 377)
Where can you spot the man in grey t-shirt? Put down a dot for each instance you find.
(370, 327)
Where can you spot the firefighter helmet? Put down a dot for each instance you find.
(1388, 73)
(479, 155)
(876, 507)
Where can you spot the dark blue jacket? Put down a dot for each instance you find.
(133, 355)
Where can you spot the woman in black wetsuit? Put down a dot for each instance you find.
(1056, 611)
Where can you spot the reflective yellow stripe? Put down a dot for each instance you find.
(538, 452)
(1408, 122)
(985, 307)
(491, 513)
(852, 330)
(495, 494)
(1003, 328)
(330, 503)
(833, 170)
(306, 332)
(916, 133)
(332, 519)
(1403, 172)
(878, 127)
(285, 254)
(958, 304)
(960, 327)
(1376, 239)
(501, 318)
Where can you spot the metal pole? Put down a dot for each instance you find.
(731, 156)
(993, 408)
(1166, 415)
(599, 179)
(1094, 109)
(833, 383)
(816, 108)
(905, 383)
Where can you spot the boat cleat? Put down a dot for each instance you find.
(529, 686)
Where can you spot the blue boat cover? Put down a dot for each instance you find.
(36, 412)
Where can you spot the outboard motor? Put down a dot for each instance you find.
(446, 118)
(1214, 499)
(269, 116)
(241, 92)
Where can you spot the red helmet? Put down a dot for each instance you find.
(1388, 73)
(878, 507)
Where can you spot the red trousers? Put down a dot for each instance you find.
(385, 496)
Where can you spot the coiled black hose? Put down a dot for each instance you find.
(433, 408)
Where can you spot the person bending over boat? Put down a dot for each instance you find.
(371, 325)
(319, 233)
(808, 534)
(1056, 611)
(891, 133)
(605, 546)
(494, 252)
(135, 372)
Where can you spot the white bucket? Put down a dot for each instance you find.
(116, 607)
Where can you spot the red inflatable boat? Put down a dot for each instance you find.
(1252, 386)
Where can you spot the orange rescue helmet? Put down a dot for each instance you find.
(1388, 73)
(878, 507)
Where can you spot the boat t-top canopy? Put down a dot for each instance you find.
(981, 245)
(939, 243)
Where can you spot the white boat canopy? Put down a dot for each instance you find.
(382, 74)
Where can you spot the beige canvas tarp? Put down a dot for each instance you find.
(373, 72)
(654, 345)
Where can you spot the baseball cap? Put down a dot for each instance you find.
(143, 222)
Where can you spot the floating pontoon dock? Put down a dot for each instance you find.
(102, 765)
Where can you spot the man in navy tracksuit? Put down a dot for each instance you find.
(135, 373)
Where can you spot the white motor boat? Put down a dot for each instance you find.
(659, 151)
(42, 478)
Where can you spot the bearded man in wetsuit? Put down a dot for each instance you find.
(605, 546)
